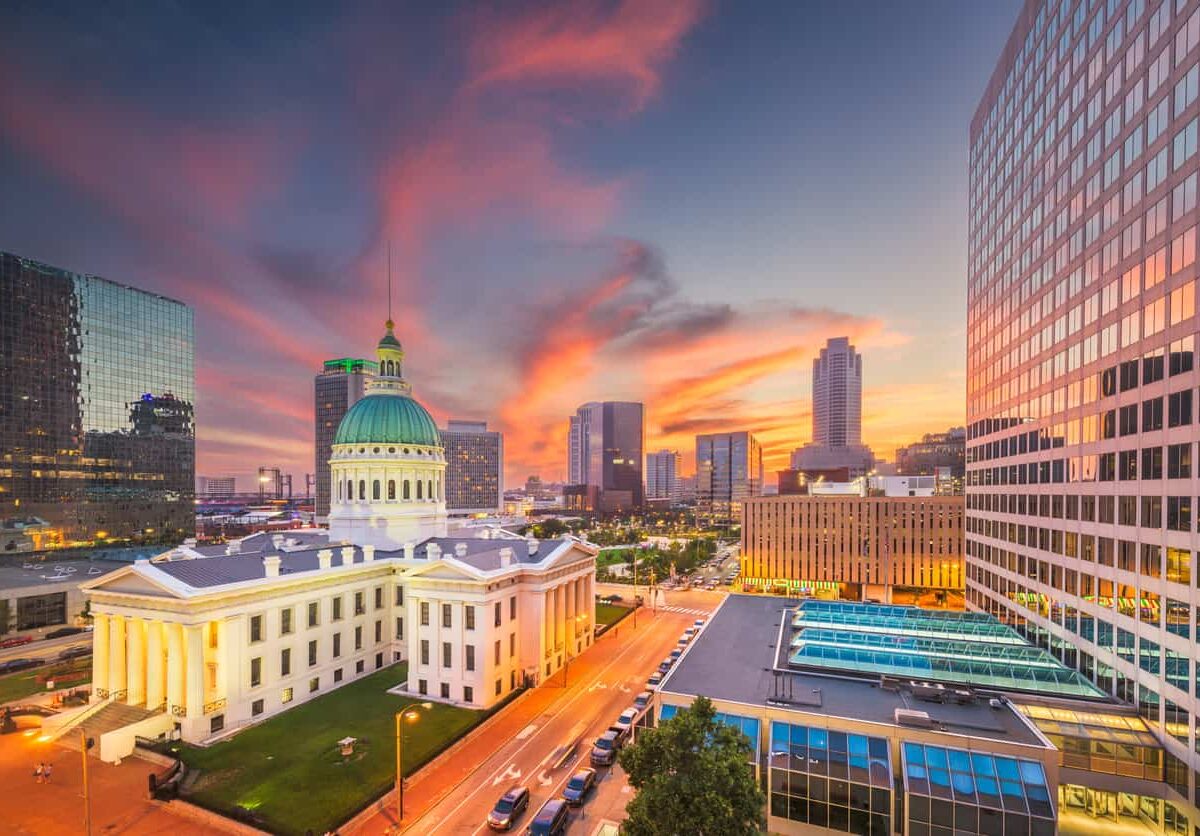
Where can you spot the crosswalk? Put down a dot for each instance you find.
(686, 610)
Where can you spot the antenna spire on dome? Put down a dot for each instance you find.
(390, 324)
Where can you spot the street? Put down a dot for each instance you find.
(549, 734)
(46, 649)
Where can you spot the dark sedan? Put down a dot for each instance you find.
(578, 787)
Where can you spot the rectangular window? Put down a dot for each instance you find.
(399, 596)
(470, 661)
(1152, 414)
(314, 610)
(1179, 513)
(424, 651)
(445, 690)
(285, 662)
(285, 621)
(512, 645)
(468, 694)
(379, 597)
(447, 654)
(512, 608)
(314, 684)
(497, 619)
(497, 650)
(256, 708)
(360, 604)
(337, 608)
(1179, 461)
(358, 637)
(1179, 408)
(446, 615)
(469, 613)
(285, 696)
(256, 671)
(378, 632)
(1152, 463)
(312, 653)
(256, 628)
(337, 675)
(424, 613)
(399, 627)
(337, 645)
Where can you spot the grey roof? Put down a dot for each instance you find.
(735, 656)
(51, 572)
(219, 568)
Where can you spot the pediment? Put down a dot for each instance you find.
(129, 582)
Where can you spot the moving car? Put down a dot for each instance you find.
(64, 631)
(14, 665)
(627, 718)
(579, 785)
(551, 820)
(508, 809)
(15, 641)
(604, 750)
(76, 652)
(642, 700)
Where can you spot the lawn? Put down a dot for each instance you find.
(608, 614)
(27, 683)
(288, 770)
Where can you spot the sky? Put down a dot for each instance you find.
(670, 201)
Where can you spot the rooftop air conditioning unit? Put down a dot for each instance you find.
(913, 718)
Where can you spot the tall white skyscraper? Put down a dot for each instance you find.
(837, 395)
(662, 475)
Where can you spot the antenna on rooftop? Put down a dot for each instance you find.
(389, 251)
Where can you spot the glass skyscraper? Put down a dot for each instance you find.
(474, 468)
(728, 472)
(605, 445)
(97, 438)
(1082, 420)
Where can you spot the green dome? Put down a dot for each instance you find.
(387, 419)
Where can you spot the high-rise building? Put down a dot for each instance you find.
(1081, 340)
(338, 387)
(729, 471)
(474, 468)
(97, 440)
(662, 476)
(215, 487)
(934, 451)
(606, 442)
(836, 415)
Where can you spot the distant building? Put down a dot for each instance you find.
(662, 476)
(837, 414)
(338, 387)
(474, 468)
(606, 442)
(728, 472)
(846, 545)
(215, 487)
(687, 488)
(97, 384)
(935, 450)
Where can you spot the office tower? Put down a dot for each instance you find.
(606, 444)
(1081, 381)
(662, 476)
(837, 395)
(728, 472)
(474, 468)
(946, 450)
(338, 387)
(215, 487)
(97, 440)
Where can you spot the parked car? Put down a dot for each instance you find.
(15, 641)
(642, 701)
(64, 631)
(604, 750)
(689, 633)
(675, 654)
(579, 785)
(627, 718)
(665, 665)
(655, 680)
(76, 652)
(698, 623)
(14, 665)
(551, 820)
(508, 809)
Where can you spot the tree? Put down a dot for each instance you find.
(692, 776)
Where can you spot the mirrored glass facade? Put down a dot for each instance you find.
(97, 435)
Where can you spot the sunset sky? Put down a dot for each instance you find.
(669, 201)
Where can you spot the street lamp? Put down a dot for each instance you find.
(579, 619)
(411, 715)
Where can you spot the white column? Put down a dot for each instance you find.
(569, 614)
(231, 643)
(136, 664)
(116, 653)
(99, 653)
(156, 673)
(194, 678)
(560, 619)
(548, 622)
(175, 665)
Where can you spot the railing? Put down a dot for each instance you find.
(102, 693)
(214, 706)
(119, 696)
(179, 710)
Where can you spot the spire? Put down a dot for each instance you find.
(390, 323)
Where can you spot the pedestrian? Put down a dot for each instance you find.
(46, 772)
(37, 773)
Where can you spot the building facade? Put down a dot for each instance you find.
(728, 472)
(934, 452)
(1081, 378)
(474, 468)
(662, 476)
(606, 445)
(338, 387)
(855, 547)
(837, 395)
(215, 487)
(211, 638)
(97, 439)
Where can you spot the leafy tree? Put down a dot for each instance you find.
(692, 776)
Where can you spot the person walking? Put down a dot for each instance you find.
(37, 773)
(46, 772)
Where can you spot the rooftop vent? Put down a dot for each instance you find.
(506, 556)
(324, 558)
(368, 553)
(234, 547)
(433, 551)
(913, 718)
(347, 555)
(271, 565)
(533, 546)
(460, 549)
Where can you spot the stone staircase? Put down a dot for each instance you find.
(115, 715)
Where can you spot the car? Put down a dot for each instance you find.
(675, 654)
(76, 652)
(642, 701)
(551, 820)
(665, 665)
(604, 750)
(508, 808)
(614, 598)
(689, 633)
(698, 623)
(14, 665)
(579, 785)
(64, 631)
(15, 641)
(654, 681)
(627, 718)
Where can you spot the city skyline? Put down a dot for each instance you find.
(268, 217)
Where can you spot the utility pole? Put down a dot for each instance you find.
(399, 770)
(87, 802)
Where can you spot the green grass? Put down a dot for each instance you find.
(609, 614)
(288, 771)
(610, 557)
(27, 683)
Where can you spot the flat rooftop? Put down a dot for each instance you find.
(17, 573)
(741, 656)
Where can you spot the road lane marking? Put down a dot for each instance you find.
(525, 732)
(512, 774)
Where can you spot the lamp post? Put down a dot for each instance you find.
(410, 714)
(579, 619)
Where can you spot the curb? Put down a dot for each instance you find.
(190, 811)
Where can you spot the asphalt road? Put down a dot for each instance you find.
(45, 648)
(545, 751)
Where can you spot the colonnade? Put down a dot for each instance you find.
(568, 614)
(158, 664)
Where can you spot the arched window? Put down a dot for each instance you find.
(349, 491)
(391, 488)
(419, 483)
(407, 494)
(339, 491)
(362, 489)
(375, 490)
